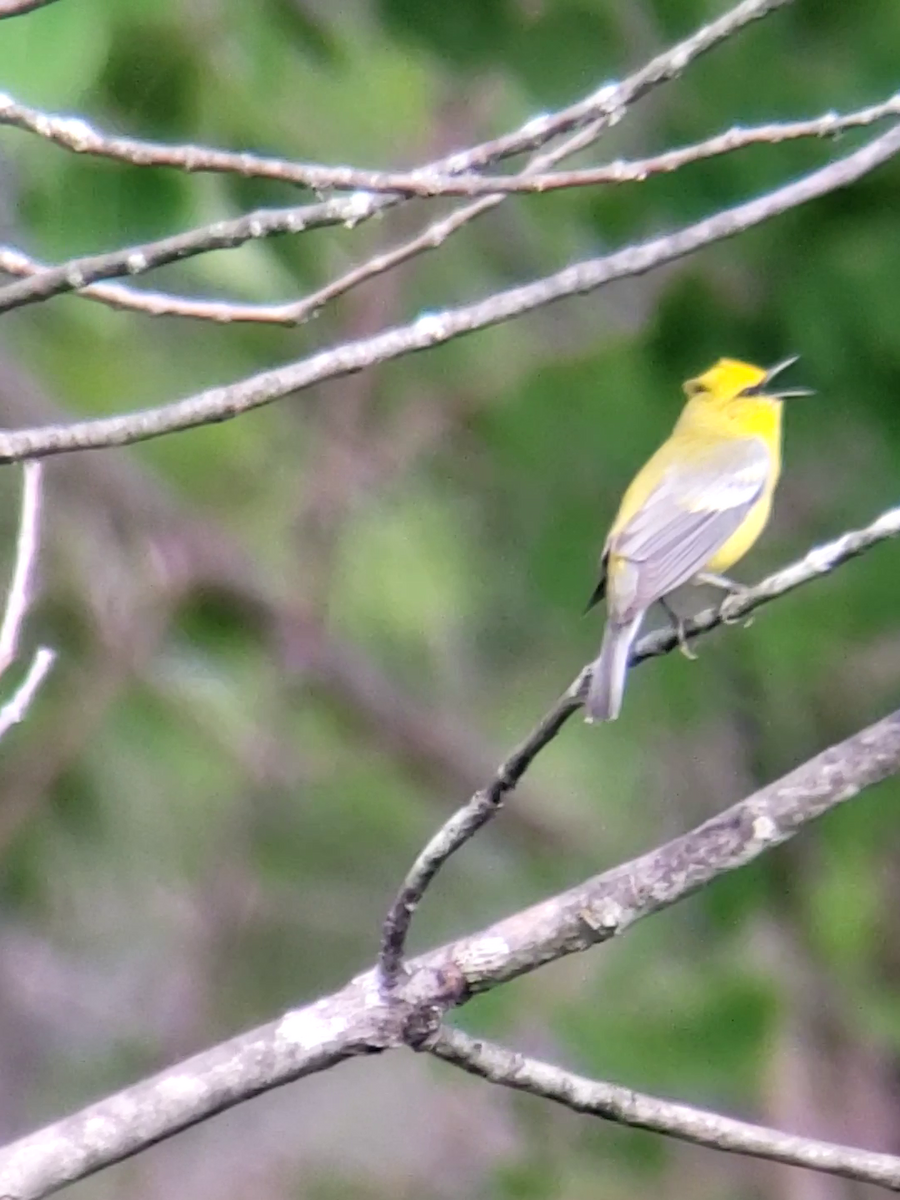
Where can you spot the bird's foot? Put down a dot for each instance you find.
(736, 593)
(678, 628)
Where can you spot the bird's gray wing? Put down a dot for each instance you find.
(690, 515)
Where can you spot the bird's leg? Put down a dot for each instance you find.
(677, 623)
(726, 585)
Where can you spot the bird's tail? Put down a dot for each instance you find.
(604, 699)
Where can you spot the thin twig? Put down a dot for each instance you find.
(612, 1102)
(608, 102)
(243, 229)
(819, 561)
(458, 830)
(603, 108)
(357, 1020)
(78, 273)
(622, 171)
(434, 235)
(534, 178)
(155, 304)
(485, 804)
(19, 595)
(16, 708)
(18, 601)
(435, 181)
(433, 329)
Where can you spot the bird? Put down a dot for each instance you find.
(691, 512)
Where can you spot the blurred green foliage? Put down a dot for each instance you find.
(204, 822)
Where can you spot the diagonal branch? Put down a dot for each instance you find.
(358, 1020)
(433, 236)
(434, 181)
(624, 1106)
(486, 802)
(157, 304)
(600, 110)
(18, 601)
(492, 191)
(22, 582)
(433, 329)
(15, 709)
(607, 103)
(78, 273)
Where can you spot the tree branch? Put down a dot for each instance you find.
(16, 707)
(78, 273)
(486, 803)
(433, 329)
(437, 180)
(607, 103)
(491, 190)
(18, 601)
(21, 585)
(358, 1020)
(626, 1107)
(603, 108)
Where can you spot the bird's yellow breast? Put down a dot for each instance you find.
(742, 540)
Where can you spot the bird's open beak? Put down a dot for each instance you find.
(773, 372)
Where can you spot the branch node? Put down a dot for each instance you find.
(603, 919)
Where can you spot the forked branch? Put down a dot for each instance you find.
(486, 803)
(360, 1020)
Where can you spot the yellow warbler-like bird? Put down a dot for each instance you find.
(692, 511)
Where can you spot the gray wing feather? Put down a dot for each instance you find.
(689, 516)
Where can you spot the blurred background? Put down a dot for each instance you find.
(291, 645)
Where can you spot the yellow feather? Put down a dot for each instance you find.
(707, 492)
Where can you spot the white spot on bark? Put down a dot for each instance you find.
(430, 325)
(306, 1028)
(76, 132)
(182, 1087)
(608, 916)
(764, 829)
(492, 947)
(357, 207)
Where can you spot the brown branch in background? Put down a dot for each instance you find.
(624, 1106)
(485, 804)
(18, 601)
(607, 103)
(432, 329)
(358, 1020)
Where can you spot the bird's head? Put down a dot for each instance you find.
(731, 383)
(739, 391)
